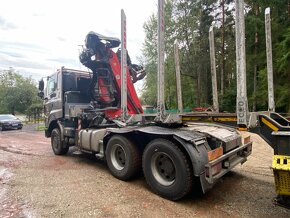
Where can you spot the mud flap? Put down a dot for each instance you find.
(204, 183)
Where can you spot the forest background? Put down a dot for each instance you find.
(188, 23)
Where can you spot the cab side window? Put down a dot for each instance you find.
(51, 86)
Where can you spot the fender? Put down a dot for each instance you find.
(199, 158)
(193, 143)
(61, 130)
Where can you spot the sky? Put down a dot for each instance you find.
(37, 37)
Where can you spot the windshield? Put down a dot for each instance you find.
(7, 117)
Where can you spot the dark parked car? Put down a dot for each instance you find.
(8, 121)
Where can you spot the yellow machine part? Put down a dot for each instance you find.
(281, 168)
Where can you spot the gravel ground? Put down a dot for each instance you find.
(36, 183)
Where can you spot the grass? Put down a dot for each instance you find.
(33, 121)
(40, 128)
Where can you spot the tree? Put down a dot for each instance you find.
(256, 53)
(150, 59)
(150, 53)
(188, 22)
(34, 111)
(282, 50)
(16, 92)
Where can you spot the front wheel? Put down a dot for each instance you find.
(167, 170)
(123, 157)
(57, 145)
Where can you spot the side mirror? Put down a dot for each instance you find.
(40, 94)
(41, 85)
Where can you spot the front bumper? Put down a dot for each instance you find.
(12, 125)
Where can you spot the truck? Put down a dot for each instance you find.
(98, 112)
(85, 109)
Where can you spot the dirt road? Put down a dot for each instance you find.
(36, 183)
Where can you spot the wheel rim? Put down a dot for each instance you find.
(118, 157)
(163, 168)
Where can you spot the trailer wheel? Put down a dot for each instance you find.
(57, 145)
(166, 169)
(123, 158)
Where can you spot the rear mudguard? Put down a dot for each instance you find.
(194, 144)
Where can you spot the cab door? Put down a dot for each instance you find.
(53, 109)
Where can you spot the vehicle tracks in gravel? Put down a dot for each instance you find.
(7, 149)
(9, 205)
(36, 183)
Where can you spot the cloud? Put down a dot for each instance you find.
(61, 39)
(36, 37)
(21, 47)
(6, 25)
(65, 61)
(24, 55)
(12, 54)
(23, 62)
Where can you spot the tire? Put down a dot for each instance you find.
(1, 128)
(57, 145)
(123, 158)
(166, 169)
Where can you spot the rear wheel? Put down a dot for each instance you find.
(167, 170)
(123, 158)
(57, 145)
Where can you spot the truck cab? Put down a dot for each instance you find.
(65, 95)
